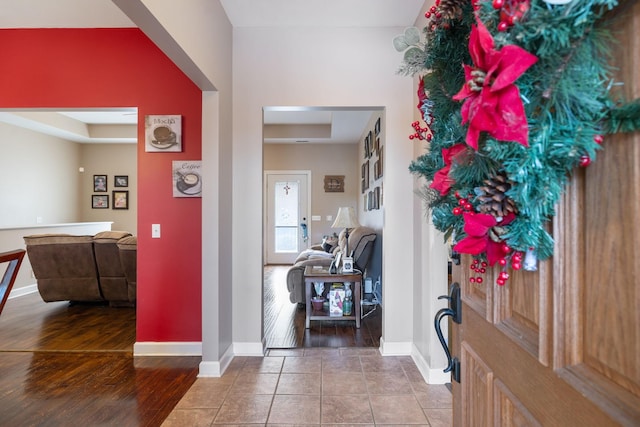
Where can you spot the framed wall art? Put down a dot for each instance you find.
(187, 178)
(100, 201)
(163, 133)
(121, 181)
(120, 199)
(334, 183)
(367, 146)
(99, 183)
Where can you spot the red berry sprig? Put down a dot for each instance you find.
(479, 268)
(516, 263)
(464, 205)
(420, 132)
(511, 11)
(585, 160)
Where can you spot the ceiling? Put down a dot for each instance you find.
(282, 124)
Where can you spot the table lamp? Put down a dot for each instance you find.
(346, 219)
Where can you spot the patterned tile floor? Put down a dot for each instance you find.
(315, 387)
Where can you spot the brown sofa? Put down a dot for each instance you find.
(361, 241)
(80, 268)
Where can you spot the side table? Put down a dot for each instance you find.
(315, 274)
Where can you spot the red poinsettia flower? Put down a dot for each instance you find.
(492, 100)
(441, 180)
(477, 227)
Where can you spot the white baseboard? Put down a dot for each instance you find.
(216, 368)
(395, 348)
(22, 291)
(430, 375)
(167, 349)
(248, 348)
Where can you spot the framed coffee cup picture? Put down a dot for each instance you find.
(163, 133)
(187, 178)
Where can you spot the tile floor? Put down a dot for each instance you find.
(315, 387)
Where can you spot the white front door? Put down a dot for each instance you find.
(286, 219)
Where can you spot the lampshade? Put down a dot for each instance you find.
(346, 218)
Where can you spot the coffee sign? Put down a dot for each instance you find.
(163, 133)
(187, 179)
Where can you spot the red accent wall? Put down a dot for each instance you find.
(72, 68)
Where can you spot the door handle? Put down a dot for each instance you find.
(455, 311)
(303, 227)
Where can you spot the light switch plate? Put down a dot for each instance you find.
(155, 231)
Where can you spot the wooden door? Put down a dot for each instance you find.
(561, 346)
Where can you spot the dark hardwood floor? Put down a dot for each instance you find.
(64, 364)
(284, 321)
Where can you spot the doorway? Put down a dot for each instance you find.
(322, 142)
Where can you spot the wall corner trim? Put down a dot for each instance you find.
(430, 375)
(248, 349)
(395, 348)
(216, 368)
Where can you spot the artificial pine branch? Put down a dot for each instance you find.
(566, 100)
(625, 118)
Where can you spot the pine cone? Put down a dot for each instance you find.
(452, 9)
(493, 199)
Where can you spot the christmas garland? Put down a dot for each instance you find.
(514, 94)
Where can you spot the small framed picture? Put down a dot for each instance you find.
(334, 183)
(100, 201)
(121, 181)
(367, 146)
(99, 183)
(366, 175)
(120, 199)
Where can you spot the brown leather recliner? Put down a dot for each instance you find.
(111, 275)
(128, 248)
(361, 241)
(64, 266)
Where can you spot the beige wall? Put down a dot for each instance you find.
(40, 181)
(110, 160)
(321, 67)
(321, 160)
(373, 218)
(39, 178)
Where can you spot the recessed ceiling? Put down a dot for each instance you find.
(109, 125)
(316, 125)
(124, 116)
